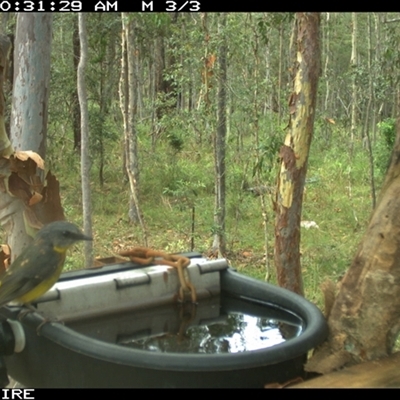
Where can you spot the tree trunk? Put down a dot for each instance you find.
(31, 82)
(5, 144)
(32, 47)
(259, 164)
(76, 112)
(365, 319)
(127, 102)
(368, 111)
(85, 159)
(219, 243)
(108, 81)
(26, 203)
(327, 104)
(353, 65)
(294, 153)
(279, 95)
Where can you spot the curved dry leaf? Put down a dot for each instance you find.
(17, 187)
(24, 155)
(5, 257)
(36, 198)
(5, 248)
(49, 209)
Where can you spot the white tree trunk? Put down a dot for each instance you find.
(31, 82)
(85, 159)
(28, 128)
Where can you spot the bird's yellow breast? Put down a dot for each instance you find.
(44, 286)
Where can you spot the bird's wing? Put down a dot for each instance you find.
(13, 286)
(30, 269)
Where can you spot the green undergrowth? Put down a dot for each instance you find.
(337, 197)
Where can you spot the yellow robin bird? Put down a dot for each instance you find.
(40, 264)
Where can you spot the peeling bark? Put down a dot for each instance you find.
(365, 317)
(294, 152)
(28, 116)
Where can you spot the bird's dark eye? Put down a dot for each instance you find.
(66, 233)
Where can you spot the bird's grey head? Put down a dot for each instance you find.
(61, 234)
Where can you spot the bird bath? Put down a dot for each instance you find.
(123, 328)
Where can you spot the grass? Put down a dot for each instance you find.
(337, 199)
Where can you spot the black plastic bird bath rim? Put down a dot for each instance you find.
(314, 332)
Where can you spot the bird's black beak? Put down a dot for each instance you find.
(81, 236)
(84, 237)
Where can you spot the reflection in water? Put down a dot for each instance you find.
(237, 332)
(223, 324)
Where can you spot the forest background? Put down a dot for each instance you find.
(177, 76)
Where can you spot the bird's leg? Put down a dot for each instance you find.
(44, 322)
(29, 308)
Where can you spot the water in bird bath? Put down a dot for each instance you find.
(218, 325)
(235, 332)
